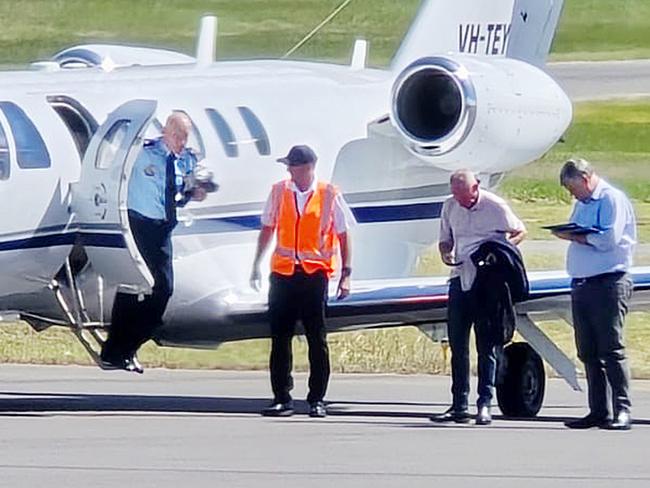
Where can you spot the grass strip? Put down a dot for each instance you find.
(589, 29)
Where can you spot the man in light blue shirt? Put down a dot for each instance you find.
(156, 188)
(148, 179)
(597, 262)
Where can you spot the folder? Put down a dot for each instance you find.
(572, 228)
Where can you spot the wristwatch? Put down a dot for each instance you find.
(346, 271)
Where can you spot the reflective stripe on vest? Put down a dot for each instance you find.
(309, 238)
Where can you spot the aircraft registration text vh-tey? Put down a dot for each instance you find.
(488, 39)
(71, 128)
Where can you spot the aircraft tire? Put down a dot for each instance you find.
(520, 391)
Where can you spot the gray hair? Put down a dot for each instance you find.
(463, 176)
(575, 168)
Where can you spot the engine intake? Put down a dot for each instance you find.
(433, 105)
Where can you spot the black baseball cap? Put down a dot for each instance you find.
(299, 155)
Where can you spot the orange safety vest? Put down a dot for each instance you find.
(308, 239)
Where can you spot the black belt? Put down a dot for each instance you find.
(614, 275)
(133, 214)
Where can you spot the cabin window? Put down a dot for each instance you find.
(154, 129)
(224, 132)
(256, 130)
(195, 142)
(111, 143)
(81, 124)
(4, 155)
(31, 151)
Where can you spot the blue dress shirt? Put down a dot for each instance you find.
(147, 183)
(611, 250)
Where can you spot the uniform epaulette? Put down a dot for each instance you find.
(149, 142)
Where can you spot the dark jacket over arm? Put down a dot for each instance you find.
(500, 282)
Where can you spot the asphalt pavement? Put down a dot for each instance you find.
(81, 427)
(604, 79)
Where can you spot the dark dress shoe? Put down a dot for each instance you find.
(133, 365)
(317, 409)
(451, 415)
(279, 409)
(483, 416)
(622, 421)
(588, 422)
(110, 362)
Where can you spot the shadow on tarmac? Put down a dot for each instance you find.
(45, 404)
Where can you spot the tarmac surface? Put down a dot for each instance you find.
(604, 79)
(81, 427)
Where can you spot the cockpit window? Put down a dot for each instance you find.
(4, 155)
(224, 131)
(31, 151)
(78, 120)
(257, 131)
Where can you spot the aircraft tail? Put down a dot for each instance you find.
(534, 23)
(521, 29)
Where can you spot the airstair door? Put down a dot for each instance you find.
(100, 198)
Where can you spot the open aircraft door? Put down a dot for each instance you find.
(100, 199)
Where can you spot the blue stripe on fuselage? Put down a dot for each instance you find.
(92, 239)
(218, 225)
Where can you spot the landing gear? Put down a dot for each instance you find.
(520, 391)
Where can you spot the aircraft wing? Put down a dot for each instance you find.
(420, 301)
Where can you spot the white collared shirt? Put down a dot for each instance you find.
(489, 219)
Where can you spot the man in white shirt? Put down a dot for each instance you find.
(470, 217)
(310, 220)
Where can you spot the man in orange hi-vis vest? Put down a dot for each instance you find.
(312, 221)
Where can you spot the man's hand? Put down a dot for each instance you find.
(447, 258)
(343, 288)
(562, 235)
(256, 279)
(569, 236)
(199, 194)
(516, 237)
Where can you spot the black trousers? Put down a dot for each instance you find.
(463, 312)
(299, 296)
(599, 305)
(132, 321)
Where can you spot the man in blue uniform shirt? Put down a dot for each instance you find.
(600, 291)
(155, 190)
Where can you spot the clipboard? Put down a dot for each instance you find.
(572, 228)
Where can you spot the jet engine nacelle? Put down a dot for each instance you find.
(93, 55)
(490, 114)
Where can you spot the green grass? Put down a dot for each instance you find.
(246, 27)
(35, 29)
(603, 29)
(405, 350)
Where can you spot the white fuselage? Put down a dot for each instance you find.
(395, 194)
